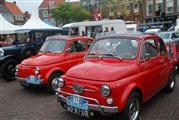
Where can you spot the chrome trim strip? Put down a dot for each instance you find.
(86, 90)
(96, 107)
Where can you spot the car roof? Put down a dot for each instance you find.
(128, 34)
(169, 32)
(153, 31)
(64, 37)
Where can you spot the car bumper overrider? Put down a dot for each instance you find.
(92, 107)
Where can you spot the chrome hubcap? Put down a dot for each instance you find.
(134, 109)
(172, 83)
(11, 69)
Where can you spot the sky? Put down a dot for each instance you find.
(30, 5)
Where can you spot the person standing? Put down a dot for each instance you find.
(9, 39)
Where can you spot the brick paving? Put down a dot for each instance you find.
(17, 103)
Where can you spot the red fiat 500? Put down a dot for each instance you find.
(119, 74)
(57, 55)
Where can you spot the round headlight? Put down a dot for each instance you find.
(17, 68)
(36, 70)
(57, 83)
(1, 52)
(105, 90)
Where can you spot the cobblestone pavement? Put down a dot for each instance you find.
(17, 103)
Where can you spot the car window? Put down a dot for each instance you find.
(54, 46)
(144, 51)
(72, 48)
(89, 42)
(161, 47)
(79, 45)
(175, 35)
(150, 47)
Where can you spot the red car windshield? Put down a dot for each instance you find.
(53, 46)
(114, 47)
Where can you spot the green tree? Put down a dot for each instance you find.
(115, 5)
(70, 12)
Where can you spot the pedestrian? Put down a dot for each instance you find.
(106, 29)
(9, 40)
(112, 29)
(83, 33)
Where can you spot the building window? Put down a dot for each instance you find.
(127, 8)
(136, 7)
(149, 7)
(169, 6)
(51, 4)
(118, 11)
(177, 5)
(45, 13)
(159, 5)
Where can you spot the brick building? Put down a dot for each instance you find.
(13, 13)
(46, 8)
(140, 11)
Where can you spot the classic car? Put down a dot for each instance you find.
(11, 55)
(120, 73)
(57, 55)
(20, 49)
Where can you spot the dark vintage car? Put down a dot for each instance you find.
(13, 54)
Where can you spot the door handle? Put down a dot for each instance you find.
(162, 61)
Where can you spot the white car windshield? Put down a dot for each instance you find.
(114, 47)
(53, 46)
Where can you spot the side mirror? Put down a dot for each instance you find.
(69, 50)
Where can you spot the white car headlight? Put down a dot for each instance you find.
(1, 52)
(105, 90)
(17, 68)
(58, 83)
(36, 70)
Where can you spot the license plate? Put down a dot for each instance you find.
(32, 80)
(77, 102)
(84, 113)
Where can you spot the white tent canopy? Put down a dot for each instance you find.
(36, 23)
(6, 27)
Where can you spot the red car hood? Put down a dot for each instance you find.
(102, 71)
(42, 59)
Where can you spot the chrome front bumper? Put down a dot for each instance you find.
(94, 107)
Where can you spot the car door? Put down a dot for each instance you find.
(150, 68)
(164, 62)
(77, 53)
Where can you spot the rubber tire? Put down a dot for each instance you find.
(49, 84)
(5, 74)
(124, 114)
(172, 77)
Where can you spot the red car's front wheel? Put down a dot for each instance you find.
(132, 108)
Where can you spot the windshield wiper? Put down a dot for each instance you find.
(98, 55)
(48, 51)
(112, 55)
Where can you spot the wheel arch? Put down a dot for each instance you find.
(8, 57)
(51, 72)
(127, 92)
